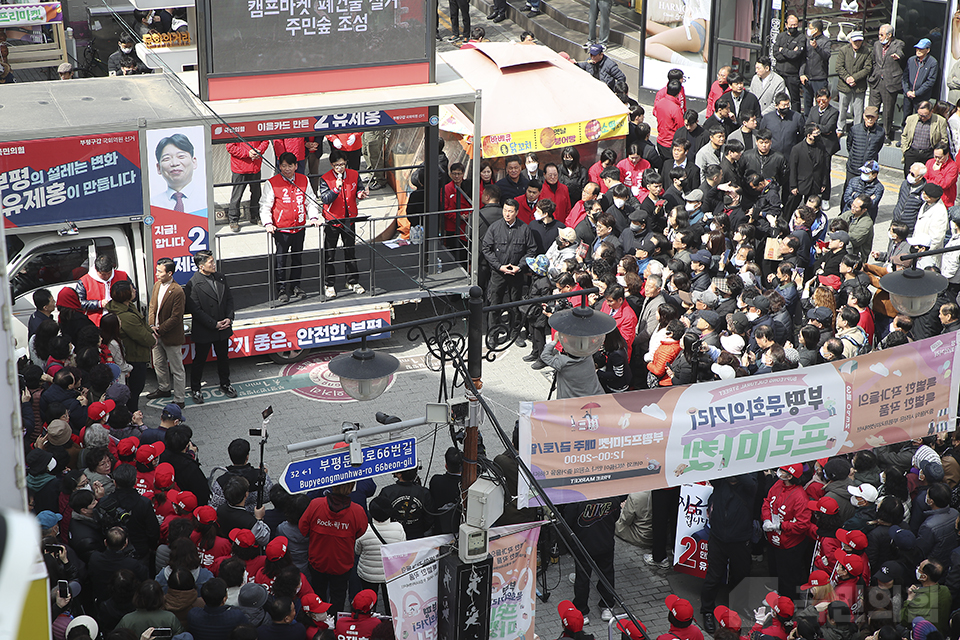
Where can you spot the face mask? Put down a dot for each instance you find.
(622, 281)
(793, 31)
(532, 167)
(691, 206)
(867, 177)
(538, 215)
(752, 315)
(126, 50)
(811, 33)
(737, 262)
(619, 202)
(713, 226)
(919, 575)
(783, 475)
(783, 112)
(883, 477)
(568, 162)
(727, 201)
(635, 226)
(854, 501)
(911, 179)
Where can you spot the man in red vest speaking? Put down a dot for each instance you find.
(340, 189)
(286, 207)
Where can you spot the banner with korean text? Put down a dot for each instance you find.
(690, 546)
(413, 573)
(71, 179)
(514, 583)
(602, 446)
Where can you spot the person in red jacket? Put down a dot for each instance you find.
(456, 206)
(669, 115)
(528, 203)
(678, 75)
(361, 623)
(774, 623)
(246, 160)
(855, 543)
(286, 207)
(93, 289)
(718, 88)
(351, 144)
(632, 167)
(340, 190)
(332, 524)
(296, 146)
(786, 520)
(608, 158)
(555, 190)
(942, 170)
(315, 611)
(849, 577)
(824, 531)
(680, 615)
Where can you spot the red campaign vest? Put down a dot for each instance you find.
(289, 202)
(345, 206)
(348, 141)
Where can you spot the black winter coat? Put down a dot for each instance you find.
(731, 507)
(209, 305)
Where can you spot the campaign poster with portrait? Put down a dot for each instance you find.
(179, 198)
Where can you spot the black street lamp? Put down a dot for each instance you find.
(364, 373)
(914, 291)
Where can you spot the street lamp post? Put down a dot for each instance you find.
(914, 291)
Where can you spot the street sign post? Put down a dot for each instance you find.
(326, 471)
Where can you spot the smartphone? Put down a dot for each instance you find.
(51, 548)
(798, 271)
(162, 632)
(64, 588)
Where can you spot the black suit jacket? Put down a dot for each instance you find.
(748, 104)
(693, 172)
(208, 308)
(828, 128)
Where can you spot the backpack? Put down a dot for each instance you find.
(863, 347)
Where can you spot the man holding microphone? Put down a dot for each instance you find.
(340, 190)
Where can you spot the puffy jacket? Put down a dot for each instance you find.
(787, 131)
(370, 564)
(333, 524)
(606, 71)
(240, 160)
(908, 206)
(136, 335)
(789, 502)
(863, 144)
(666, 353)
(937, 537)
(856, 63)
(731, 508)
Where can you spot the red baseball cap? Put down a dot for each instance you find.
(781, 605)
(163, 476)
(855, 539)
(818, 578)
(311, 602)
(796, 470)
(147, 454)
(186, 501)
(626, 626)
(127, 447)
(242, 538)
(849, 561)
(728, 618)
(364, 600)
(205, 514)
(826, 505)
(99, 411)
(681, 609)
(822, 461)
(277, 548)
(570, 616)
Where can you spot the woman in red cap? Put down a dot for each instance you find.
(206, 535)
(823, 530)
(786, 521)
(821, 595)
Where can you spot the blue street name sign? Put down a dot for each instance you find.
(333, 469)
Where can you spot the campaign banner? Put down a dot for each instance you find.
(507, 144)
(413, 579)
(77, 178)
(298, 334)
(601, 446)
(179, 222)
(690, 546)
(513, 603)
(26, 15)
(333, 122)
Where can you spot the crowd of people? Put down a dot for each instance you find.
(140, 540)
